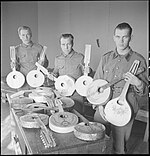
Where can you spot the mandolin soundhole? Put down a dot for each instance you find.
(35, 76)
(120, 102)
(62, 84)
(14, 76)
(85, 83)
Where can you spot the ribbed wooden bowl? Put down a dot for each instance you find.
(28, 120)
(89, 132)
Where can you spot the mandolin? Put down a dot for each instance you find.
(64, 83)
(99, 91)
(35, 78)
(14, 79)
(117, 110)
(84, 81)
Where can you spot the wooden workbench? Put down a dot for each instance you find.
(28, 141)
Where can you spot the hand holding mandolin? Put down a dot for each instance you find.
(12, 65)
(133, 79)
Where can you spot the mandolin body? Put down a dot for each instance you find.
(15, 79)
(82, 84)
(96, 97)
(116, 113)
(35, 78)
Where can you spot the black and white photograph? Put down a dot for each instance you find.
(74, 77)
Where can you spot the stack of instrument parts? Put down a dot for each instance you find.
(67, 103)
(89, 131)
(28, 120)
(40, 94)
(20, 102)
(36, 107)
(37, 97)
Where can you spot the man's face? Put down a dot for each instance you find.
(25, 36)
(122, 38)
(66, 45)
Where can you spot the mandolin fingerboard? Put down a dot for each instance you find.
(46, 135)
(12, 53)
(87, 54)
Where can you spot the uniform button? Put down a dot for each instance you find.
(106, 71)
(115, 75)
(119, 60)
(117, 67)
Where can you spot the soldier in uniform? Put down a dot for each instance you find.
(27, 54)
(116, 64)
(70, 63)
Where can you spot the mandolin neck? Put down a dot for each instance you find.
(132, 70)
(87, 57)
(124, 91)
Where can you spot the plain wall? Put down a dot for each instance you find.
(14, 15)
(87, 21)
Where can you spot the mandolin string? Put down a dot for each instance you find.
(133, 66)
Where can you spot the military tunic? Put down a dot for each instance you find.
(112, 66)
(71, 65)
(26, 57)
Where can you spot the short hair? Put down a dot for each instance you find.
(25, 28)
(67, 36)
(124, 25)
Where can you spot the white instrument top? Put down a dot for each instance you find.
(14, 79)
(65, 85)
(35, 78)
(84, 81)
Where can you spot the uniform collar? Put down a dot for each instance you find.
(29, 45)
(69, 55)
(126, 56)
